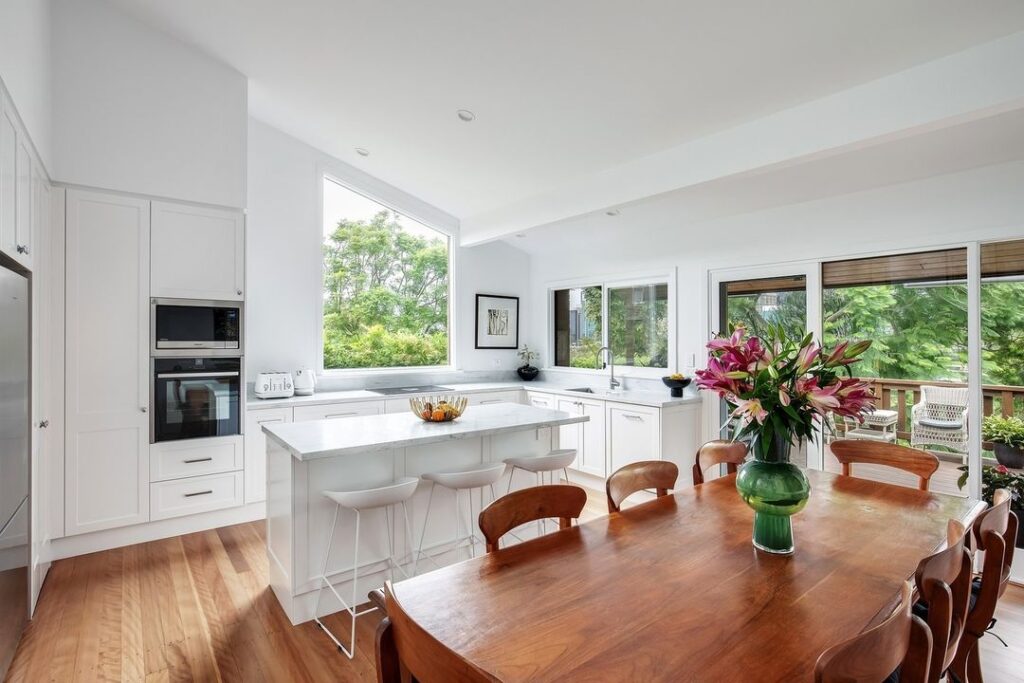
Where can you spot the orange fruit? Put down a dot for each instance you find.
(438, 416)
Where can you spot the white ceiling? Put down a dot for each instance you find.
(560, 89)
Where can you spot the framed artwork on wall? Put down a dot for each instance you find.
(497, 321)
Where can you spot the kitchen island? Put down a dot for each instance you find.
(306, 458)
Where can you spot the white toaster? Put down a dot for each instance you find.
(274, 385)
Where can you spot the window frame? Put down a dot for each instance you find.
(395, 200)
(667, 277)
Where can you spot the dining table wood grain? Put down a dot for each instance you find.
(673, 590)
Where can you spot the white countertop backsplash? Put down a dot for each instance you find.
(639, 391)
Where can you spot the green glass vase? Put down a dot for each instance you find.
(776, 489)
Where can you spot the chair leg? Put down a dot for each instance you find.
(355, 587)
(511, 472)
(423, 534)
(408, 536)
(323, 575)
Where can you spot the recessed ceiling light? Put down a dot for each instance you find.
(362, 152)
(611, 212)
(465, 115)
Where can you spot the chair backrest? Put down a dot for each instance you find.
(902, 640)
(921, 463)
(954, 397)
(944, 585)
(421, 655)
(528, 505)
(995, 531)
(732, 453)
(659, 475)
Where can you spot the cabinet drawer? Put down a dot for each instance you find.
(492, 397)
(635, 434)
(177, 459)
(196, 494)
(337, 410)
(540, 400)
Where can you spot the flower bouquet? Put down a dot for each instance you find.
(780, 391)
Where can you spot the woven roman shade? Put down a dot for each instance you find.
(1002, 258)
(927, 266)
(795, 283)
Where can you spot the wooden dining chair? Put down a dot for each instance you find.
(563, 501)
(420, 657)
(943, 582)
(995, 532)
(732, 453)
(920, 463)
(902, 641)
(659, 475)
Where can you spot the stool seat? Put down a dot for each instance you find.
(471, 477)
(389, 493)
(555, 460)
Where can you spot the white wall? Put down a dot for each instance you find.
(25, 67)
(981, 203)
(283, 262)
(137, 111)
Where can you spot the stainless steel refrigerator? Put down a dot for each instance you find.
(14, 458)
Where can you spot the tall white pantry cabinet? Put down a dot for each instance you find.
(120, 251)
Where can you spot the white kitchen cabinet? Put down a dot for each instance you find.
(197, 253)
(26, 199)
(8, 179)
(193, 495)
(634, 434)
(107, 362)
(540, 400)
(588, 438)
(486, 398)
(194, 457)
(256, 449)
(334, 411)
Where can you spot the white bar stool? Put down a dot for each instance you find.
(463, 479)
(559, 459)
(386, 495)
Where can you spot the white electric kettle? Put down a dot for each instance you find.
(305, 382)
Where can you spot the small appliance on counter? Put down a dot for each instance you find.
(274, 385)
(305, 382)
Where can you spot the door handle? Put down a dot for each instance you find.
(199, 493)
(142, 409)
(631, 416)
(43, 424)
(194, 460)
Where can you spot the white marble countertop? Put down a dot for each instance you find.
(656, 399)
(373, 433)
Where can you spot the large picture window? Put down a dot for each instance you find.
(632, 319)
(385, 286)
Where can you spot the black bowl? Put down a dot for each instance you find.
(676, 385)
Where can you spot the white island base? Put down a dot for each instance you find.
(306, 458)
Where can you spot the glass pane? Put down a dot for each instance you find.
(577, 327)
(918, 361)
(758, 303)
(638, 325)
(1002, 360)
(385, 286)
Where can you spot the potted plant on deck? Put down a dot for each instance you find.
(527, 371)
(1006, 434)
(780, 390)
(995, 477)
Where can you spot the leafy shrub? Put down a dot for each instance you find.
(1006, 430)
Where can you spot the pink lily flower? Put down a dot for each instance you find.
(750, 409)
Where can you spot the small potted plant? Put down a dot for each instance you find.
(995, 477)
(1006, 434)
(527, 371)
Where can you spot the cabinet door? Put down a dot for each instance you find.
(593, 455)
(197, 253)
(23, 232)
(106, 363)
(8, 180)
(635, 434)
(570, 436)
(256, 450)
(333, 411)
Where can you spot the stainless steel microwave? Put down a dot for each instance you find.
(189, 327)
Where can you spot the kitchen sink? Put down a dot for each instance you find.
(582, 390)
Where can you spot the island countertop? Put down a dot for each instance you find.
(373, 433)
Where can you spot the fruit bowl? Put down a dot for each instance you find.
(676, 385)
(438, 408)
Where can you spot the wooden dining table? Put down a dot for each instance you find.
(673, 590)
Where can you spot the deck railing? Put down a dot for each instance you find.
(901, 394)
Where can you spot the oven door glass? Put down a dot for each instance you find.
(191, 404)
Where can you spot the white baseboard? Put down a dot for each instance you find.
(82, 544)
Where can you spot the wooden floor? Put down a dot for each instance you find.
(197, 608)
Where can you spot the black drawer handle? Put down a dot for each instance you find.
(198, 493)
(193, 460)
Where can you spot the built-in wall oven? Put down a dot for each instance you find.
(196, 397)
(188, 327)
